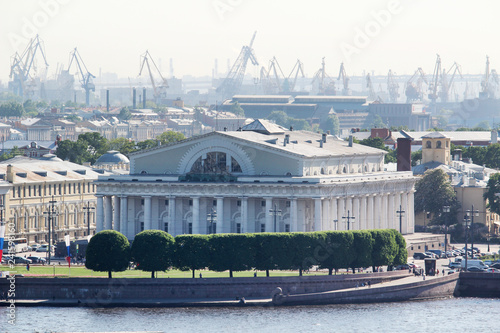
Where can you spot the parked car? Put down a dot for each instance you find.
(432, 255)
(438, 253)
(34, 247)
(488, 262)
(455, 264)
(475, 269)
(37, 260)
(420, 255)
(43, 248)
(492, 270)
(402, 267)
(496, 265)
(21, 260)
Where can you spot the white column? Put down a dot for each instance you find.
(333, 214)
(245, 225)
(348, 210)
(370, 215)
(269, 216)
(108, 215)
(116, 213)
(317, 214)
(384, 210)
(362, 213)
(411, 214)
(99, 214)
(392, 213)
(196, 215)
(356, 214)
(293, 215)
(221, 225)
(377, 209)
(325, 220)
(404, 206)
(147, 212)
(340, 213)
(123, 215)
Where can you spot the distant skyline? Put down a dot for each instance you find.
(374, 35)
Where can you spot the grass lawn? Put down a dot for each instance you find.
(81, 271)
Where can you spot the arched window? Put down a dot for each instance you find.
(438, 144)
(428, 144)
(211, 163)
(235, 166)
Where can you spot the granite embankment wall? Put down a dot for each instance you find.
(106, 290)
(479, 285)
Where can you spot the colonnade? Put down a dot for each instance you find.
(184, 215)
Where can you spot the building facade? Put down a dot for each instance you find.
(38, 186)
(262, 178)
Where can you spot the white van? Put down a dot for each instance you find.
(475, 263)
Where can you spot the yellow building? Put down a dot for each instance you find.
(38, 186)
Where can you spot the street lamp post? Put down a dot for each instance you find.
(275, 212)
(446, 210)
(50, 213)
(335, 222)
(88, 209)
(472, 213)
(400, 212)
(466, 219)
(348, 219)
(211, 217)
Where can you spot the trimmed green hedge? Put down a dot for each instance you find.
(332, 250)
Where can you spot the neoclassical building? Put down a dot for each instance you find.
(31, 186)
(261, 178)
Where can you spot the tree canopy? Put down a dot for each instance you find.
(108, 251)
(153, 250)
(192, 252)
(492, 195)
(433, 191)
(11, 109)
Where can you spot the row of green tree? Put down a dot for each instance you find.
(155, 250)
(330, 123)
(90, 146)
(488, 156)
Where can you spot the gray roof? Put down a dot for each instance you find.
(112, 157)
(263, 126)
(435, 135)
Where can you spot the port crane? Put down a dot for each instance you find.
(369, 84)
(413, 91)
(325, 84)
(234, 79)
(445, 84)
(487, 87)
(159, 90)
(290, 82)
(271, 78)
(24, 65)
(433, 86)
(345, 80)
(393, 87)
(85, 76)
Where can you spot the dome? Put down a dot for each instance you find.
(112, 157)
(51, 157)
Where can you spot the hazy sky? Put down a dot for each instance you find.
(366, 34)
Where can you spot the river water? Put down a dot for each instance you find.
(444, 315)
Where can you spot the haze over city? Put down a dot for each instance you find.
(365, 35)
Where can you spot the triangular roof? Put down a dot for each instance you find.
(264, 126)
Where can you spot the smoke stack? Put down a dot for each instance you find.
(323, 137)
(404, 154)
(287, 138)
(144, 98)
(321, 144)
(350, 141)
(134, 95)
(107, 100)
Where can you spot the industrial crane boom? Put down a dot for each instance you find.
(158, 92)
(84, 75)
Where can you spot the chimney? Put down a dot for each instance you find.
(144, 98)
(287, 138)
(107, 100)
(323, 137)
(350, 140)
(404, 154)
(225, 129)
(321, 144)
(134, 95)
(328, 132)
(11, 176)
(291, 128)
